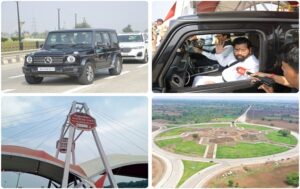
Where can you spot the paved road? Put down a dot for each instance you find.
(134, 78)
(173, 167)
(243, 117)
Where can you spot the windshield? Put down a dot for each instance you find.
(68, 39)
(130, 38)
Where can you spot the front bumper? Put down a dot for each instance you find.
(55, 70)
(134, 54)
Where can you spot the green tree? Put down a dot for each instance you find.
(230, 183)
(83, 24)
(292, 179)
(127, 29)
(3, 39)
(284, 132)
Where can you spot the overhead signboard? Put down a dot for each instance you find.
(82, 121)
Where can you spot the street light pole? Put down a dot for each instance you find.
(58, 15)
(19, 27)
(75, 20)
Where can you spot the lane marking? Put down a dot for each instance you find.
(8, 90)
(123, 73)
(16, 76)
(142, 65)
(78, 88)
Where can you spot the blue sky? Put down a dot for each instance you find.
(160, 9)
(35, 122)
(42, 15)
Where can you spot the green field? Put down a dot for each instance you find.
(255, 127)
(192, 167)
(178, 131)
(174, 132)
(178, 145)
(247, 150)
(276, 137)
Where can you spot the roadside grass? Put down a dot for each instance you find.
(190, 168)
(247, 150)
(178, 145)
(174, 132)
(276, 137)
(178, 131)
(256, 127)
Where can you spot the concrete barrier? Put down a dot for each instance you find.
(14, 56)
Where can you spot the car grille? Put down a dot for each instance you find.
(41, 59)
(126, 50)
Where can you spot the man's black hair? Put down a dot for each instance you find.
(242, 40)
(160, 20)
(289, 53)
(226, 34)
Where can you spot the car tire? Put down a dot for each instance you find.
(88, 74)
(33, 79)
(118, 67)
(145, 60)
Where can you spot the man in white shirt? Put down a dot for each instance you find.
(241, 57)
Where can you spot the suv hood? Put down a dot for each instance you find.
(62, 52)
(131, 44)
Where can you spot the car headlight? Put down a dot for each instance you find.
(139, 47)
(71, 59)
(29, 59)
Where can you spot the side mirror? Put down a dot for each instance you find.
(41, 46)
(146, 41)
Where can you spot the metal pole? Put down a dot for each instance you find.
(19, 27)
(58, 17)
(75, 20)
(68, 158)
(102, 153)
(104, 159)
(18, 179)
(68, 153)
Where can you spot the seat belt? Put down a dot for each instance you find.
(232, 64)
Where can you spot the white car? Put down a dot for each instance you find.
(134, 46)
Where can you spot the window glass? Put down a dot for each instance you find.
(106, 38)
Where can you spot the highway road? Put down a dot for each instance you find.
(133, 79)
(174, 169)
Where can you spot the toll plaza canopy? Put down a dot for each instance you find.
(37, 162)
(126, 165)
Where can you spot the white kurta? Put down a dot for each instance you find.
(251, 64)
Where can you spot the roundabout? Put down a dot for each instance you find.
(224, 145)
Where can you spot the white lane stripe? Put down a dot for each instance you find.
(78, 88)
(8, 90)
(16, 76)
(142, 65)
(123, 73)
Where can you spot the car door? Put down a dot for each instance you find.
(108, 49)
(100, 51)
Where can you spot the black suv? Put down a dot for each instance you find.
(174, 68)
(77, 53)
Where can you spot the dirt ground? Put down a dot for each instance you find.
(268, 175)
(278, 123)
(158, 170)
(156, 124)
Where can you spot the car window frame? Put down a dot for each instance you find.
(261, 58)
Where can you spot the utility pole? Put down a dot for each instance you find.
(58, 17)
(75, 20)
(19, 27)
